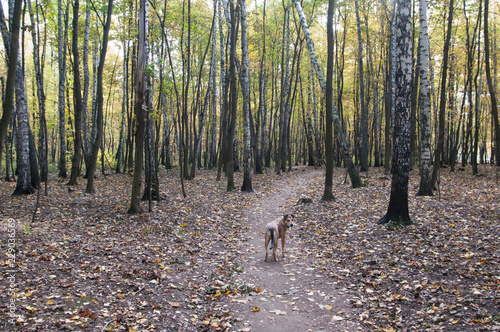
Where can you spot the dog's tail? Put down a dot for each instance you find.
(272, 238)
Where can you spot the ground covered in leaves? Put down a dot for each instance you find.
(84, 264)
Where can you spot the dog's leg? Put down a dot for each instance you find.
(266, 243)
(283, 245)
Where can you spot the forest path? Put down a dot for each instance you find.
(294, 296)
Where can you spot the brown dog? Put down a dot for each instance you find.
(276, 230)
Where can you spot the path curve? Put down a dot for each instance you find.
(293, 295)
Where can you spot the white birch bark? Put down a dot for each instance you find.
(397, 211)
(425, 106)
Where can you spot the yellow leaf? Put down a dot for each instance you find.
(50, 302)
(255, 309)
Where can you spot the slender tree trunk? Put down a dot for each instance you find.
(328, 192)
(223, 99)
(140, 87)
(213, 115)
(247, 153)
(203, 115)
(99, 119)
(233, 101)
(364, 113)
(425, 106)
(12, 46)
(77, 95)
(374, 83)
(26, 164)
(442, 101)
(121, 142)
(391, 86)
(285, 94)
(40, 95)
(61, 37)
(494, 104)
(397, 211)
(261, 151)
(23, 186)
(86, 84)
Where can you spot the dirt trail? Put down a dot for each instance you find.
(294, 296)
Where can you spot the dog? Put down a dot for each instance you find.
(276, 230)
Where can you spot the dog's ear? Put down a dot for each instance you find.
(285, 216)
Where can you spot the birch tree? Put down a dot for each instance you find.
(397, 211)
(247, 153)
(425, 106)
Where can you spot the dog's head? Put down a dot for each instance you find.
(288, 220)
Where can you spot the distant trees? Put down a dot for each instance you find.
(233, 88)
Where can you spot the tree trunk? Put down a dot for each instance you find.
(40, 95)
(262, 147)
(77, 95)
(140, 87)
(397, 211)
(374, 83)
(121, 141)
(328, 192)
(99, 98)
(24, 185)
(494, 105)
(233, 102)
(353, 173)
(247, 153)
(86, 83)
(425, 106)
(364, 113)
(61, 38)
(442, 101)
(12, 47)
(284, 99)
(203, 115)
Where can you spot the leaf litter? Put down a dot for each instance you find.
(85, 264)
